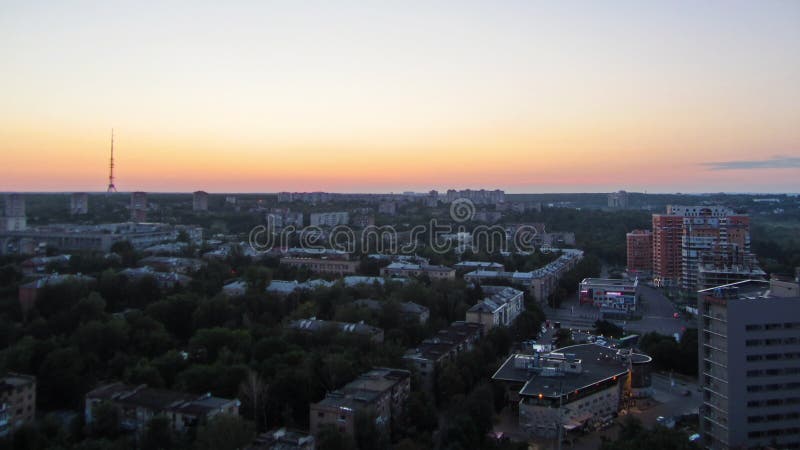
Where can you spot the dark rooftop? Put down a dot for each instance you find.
(597, 363)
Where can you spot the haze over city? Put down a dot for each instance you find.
(525, 96)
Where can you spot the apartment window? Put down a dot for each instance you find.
(752, 342)
(753, 327)
(754, 357)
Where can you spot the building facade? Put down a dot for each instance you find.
(749, 358)
(502, 306)
(609, 295)
(400, 269)
(79, 203)
(200, 201)
(576, 387)
(138, 404)
(337, 266)
(428, 356)
(380, 394)
(14, 218)
(138, 206)
(329, 219)
(640, 252)
(17, 402)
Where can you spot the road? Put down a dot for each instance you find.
(656, 310)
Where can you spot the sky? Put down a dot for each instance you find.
(374, 96)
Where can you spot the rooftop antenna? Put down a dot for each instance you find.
(111, 187)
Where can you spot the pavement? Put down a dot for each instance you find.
(655, 308)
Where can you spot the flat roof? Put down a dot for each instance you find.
(598, 363)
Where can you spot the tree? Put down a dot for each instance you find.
(329, 438)
(105, 421)
(224, 432)
(606, 328)
(253, 392)
(158, 435)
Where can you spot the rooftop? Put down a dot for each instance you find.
(597, 363)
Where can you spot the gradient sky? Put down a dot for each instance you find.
(527, 96)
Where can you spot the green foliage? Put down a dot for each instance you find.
(670, 355)
(633, 436)
(608, 329)
(224, 432)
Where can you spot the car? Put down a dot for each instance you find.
(687, 393)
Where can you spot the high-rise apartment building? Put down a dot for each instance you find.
(689, 238)
(200, 201)
(14, 218)
(618, 200)
(640, 251)
(79, 203)
(667, 233)
(139, 206)
(749, 359)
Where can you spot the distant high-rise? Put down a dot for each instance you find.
(618, 200)
(640, 251)
(139, 206)
(667, 233)
(478, 197)
(689, 238)
(14, 218)
(749, 359)
(79, 203)
(200, 201)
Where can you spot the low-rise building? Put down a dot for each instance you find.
(338, 266)
(480, 265)
(41, 264)
(29, 293)
(573, 388)
(164, 280)
(283, 287)
(315, 326)
(410, 311)
(235, 288)
(540, 283)
(138, 404)
(380, 394)
(500, 308)
(400, 269)
(99, 238)
(173, 264)
(448, 343)
(329, 219)
(610, 295)
(17, 402)
(283, 439)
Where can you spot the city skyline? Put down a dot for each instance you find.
(530, 97)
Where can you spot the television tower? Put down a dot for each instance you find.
(111, 187)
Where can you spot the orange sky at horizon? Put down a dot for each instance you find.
(250, 97)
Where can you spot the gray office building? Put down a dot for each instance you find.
(749, 359)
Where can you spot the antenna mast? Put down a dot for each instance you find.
(111, 187)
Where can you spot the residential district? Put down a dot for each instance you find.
(622, 321)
